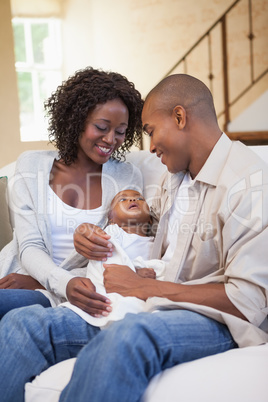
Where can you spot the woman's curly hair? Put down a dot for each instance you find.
(69, 106)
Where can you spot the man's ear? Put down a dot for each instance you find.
(180, 115)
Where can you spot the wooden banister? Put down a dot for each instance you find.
(259, 136)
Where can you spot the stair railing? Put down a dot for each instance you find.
(251, 138)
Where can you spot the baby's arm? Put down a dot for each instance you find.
(158, 266)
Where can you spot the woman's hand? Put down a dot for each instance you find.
(82, 293)
(19, 281)
(92, 242)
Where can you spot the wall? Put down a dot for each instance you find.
(11, 146)
(253, 118)
(9, 108)
(33, 8)
(141, 39)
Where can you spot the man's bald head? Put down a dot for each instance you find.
(184, 90)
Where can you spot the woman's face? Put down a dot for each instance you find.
(105, 131)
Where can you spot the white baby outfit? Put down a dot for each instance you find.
(131, 250)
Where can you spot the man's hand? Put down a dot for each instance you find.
(82, 293)
(19, 281)
(121, 279)
(92, 242)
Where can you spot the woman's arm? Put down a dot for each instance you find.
(25, 205)
(19, 281)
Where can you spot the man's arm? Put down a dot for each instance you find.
(121, 279)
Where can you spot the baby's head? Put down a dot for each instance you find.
(130, 211)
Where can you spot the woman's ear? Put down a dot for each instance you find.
(180, 115)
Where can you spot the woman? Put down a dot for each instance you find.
(94, 118)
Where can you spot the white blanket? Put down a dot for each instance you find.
(125, 245)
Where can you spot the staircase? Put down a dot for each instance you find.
(232, 59)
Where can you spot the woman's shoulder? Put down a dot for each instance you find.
(32, 159)
(36, 155)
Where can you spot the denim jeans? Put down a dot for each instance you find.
(34, 338)
(114, 364)
(15, 298)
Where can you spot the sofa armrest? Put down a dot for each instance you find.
(5, 223)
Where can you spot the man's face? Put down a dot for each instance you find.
(168, 141)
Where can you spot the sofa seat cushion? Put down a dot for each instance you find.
(236, 375)
(48, 385)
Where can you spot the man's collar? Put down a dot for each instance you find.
(214, 164)
(211, 169)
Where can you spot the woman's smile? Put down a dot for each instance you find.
(105, 131)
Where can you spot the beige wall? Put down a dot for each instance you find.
(142, 39)
(10, 144)
(36, 8)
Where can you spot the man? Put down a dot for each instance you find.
(214, 243)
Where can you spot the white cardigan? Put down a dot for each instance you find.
(30, 251)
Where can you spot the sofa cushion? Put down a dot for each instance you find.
(6, 229)
(48, 385)
(152, 170)
(236, 375)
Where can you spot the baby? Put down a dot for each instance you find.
(129, 225)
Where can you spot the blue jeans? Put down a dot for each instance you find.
(15, 298)
(114, 364)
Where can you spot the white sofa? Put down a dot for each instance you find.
(233, 376)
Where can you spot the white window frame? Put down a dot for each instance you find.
(38, 131)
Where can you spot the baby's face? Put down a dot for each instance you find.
(129, 207)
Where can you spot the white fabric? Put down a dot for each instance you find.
(64, 219)
(233, 376)
(132, 250)
(32, 240)
(151, 168)
(47, 386)
(177, 212)
(220, 240)
(236, 375)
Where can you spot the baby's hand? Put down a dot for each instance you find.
(146, 272)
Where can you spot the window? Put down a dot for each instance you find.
(38, 67)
